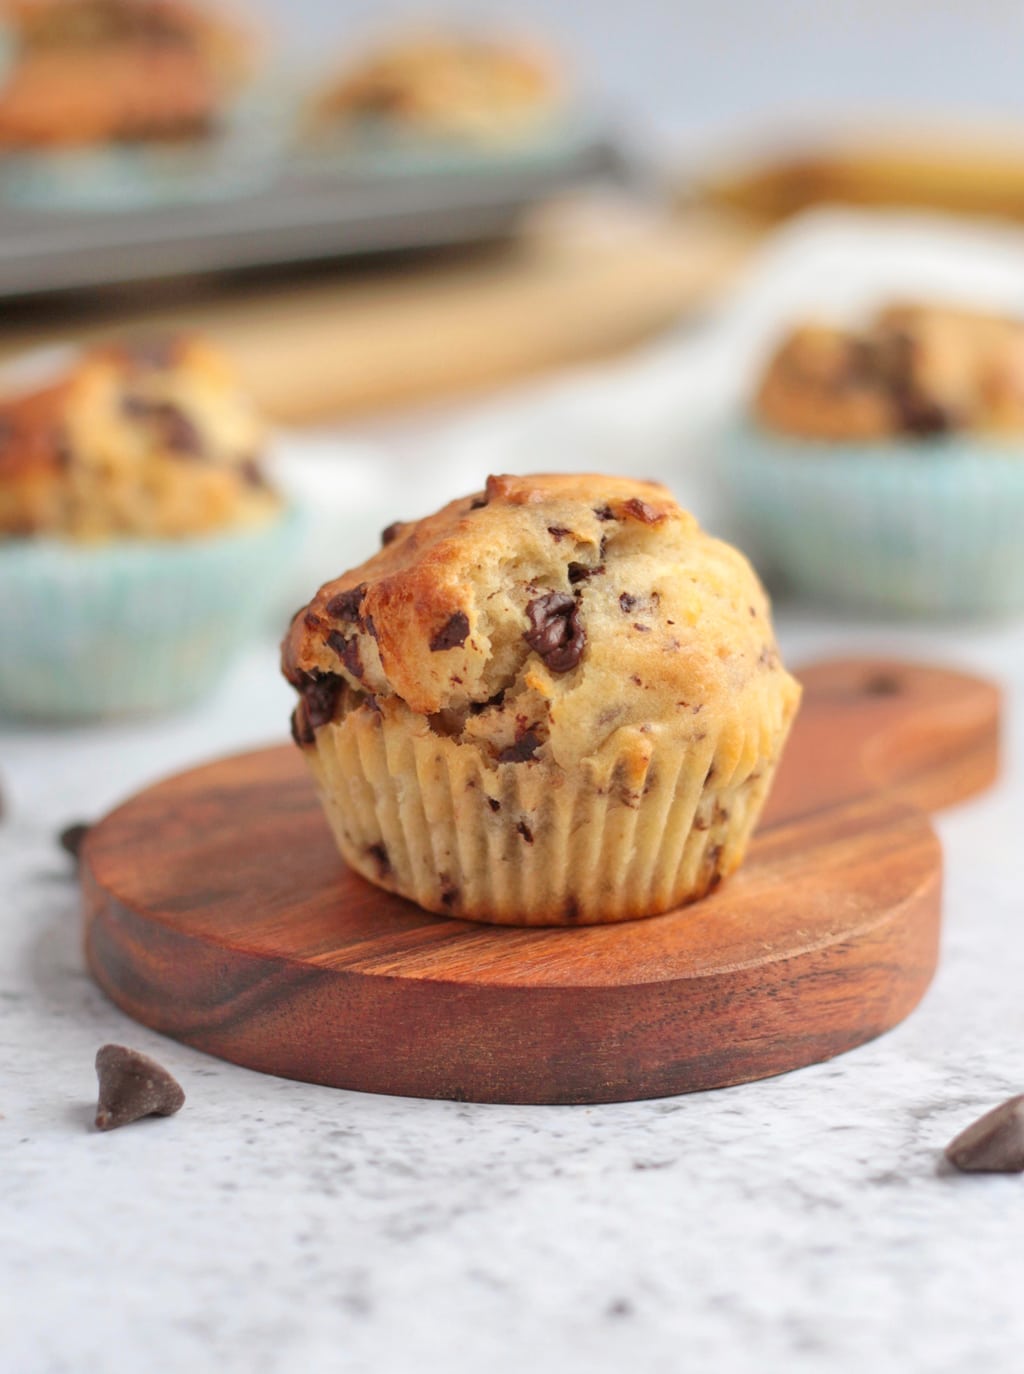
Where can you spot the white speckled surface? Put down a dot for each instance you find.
(800, 1224)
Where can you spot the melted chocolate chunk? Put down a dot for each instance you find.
(389, 535)
(348, 651)
(494, 803)
(319, 698)
(452, 634)
(579, 572)
(302, 731)
(524, 748)
(555, 631)
(132, 1086)
(345, 605)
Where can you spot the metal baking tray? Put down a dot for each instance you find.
(299, 216)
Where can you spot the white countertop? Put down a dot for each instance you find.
(798, 1224)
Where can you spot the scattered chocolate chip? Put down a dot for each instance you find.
(494, 803)
(644, 629)
(627, 602)
(523, 829)
(579, 572)
(640, 510)
(452, 634)
(71, 837)
(319, 698)
(345, 605)
(558, 532)
(604, 512)
(524, 748)
(132, 1086)
(389, 535)
(379, 853)
(347, 650)
(555, 631)
(994, 1144)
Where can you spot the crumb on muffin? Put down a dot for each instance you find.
(554, 701)
(151, 438)
(914, 371)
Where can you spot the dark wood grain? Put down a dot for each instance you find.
(218, 911)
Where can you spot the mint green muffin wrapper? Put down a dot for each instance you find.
(929, 528)
(132, 627)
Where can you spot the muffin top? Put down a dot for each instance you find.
(915, 370)
(446, 83)
(149, 439)
(546, 614)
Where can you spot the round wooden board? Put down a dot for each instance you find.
(218, 911)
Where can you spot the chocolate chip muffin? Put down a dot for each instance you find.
(90, 72)
(556, 701)
(457, 85)
(152, 439)
(914, 371)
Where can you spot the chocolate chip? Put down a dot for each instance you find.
(302, 731)
(132, 1086)
(71, 837)
(644, 629)
(478, 503)
(994, 1144)
(379, 853)
(452, 633)
(555, 631)
(640, 510)
(369, 626)
(604, 512)
(174, 428)
(558, 532)
(524, 748)
(449, 893)
(319, 698)
(523, 829)
(579, 572)
(494, 803)
(627, 602)
(922, 416)
(347, 650)
(345, 605)
(389, 535)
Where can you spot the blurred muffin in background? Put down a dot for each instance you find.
(140, 545)
(915, 370)
(92, 72)
(883, 467)
(150, 440)
(445, 85)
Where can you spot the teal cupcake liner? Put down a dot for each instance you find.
(926, 528)
(132, 627)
